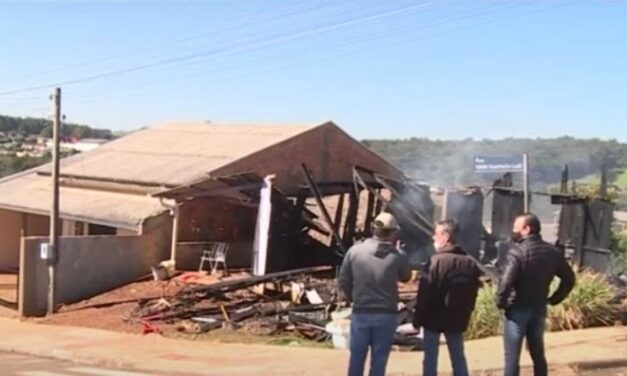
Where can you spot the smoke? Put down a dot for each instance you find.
(450, 164)
(466, 207)
(414, 209)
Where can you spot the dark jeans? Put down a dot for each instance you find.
(374, 331)
(455, 344)
(519, 323)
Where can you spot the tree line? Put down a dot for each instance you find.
(438, 162)
(43, 127)
(450, 163)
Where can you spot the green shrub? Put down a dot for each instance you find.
(618, 259)
(589, 304)
(485, 320)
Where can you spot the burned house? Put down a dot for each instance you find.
(222, 204)
(167, 191)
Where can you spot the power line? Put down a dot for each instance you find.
(354, 40)
(232, 25)
(225, 50)
(242, 52)
(237, 73)
(432, 35)
(170, 61)
(191, 54)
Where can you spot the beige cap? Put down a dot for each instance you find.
(385, 221)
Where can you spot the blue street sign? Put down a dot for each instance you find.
(513, 163)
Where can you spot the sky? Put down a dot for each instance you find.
(446, 69)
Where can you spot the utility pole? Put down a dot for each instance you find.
(526, 181)
(54, 213)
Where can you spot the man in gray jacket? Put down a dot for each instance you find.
(369, 276)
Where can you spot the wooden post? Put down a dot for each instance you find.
(295, 226)
(444, 213)
(369, 211)
(351, 218)
(379, 204)
(339, 211)
(564, 183)
(603, 188)
(526, 181)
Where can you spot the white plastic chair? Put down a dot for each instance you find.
(215, 255)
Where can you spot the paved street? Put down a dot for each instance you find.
(565, 350)
(24, 365)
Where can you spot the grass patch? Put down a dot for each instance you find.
(621, 180)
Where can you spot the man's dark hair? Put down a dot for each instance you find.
(451, 227)
(532, 221)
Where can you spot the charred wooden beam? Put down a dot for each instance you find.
(427, 225)
(339, 211)
(242, 283)
(564, 182)
(379, 204)
(351, 218)
(374, 183)
(297, 221)
(325, 214)
(316, 227)
(359, 180)
(603, 188)
(369, 210)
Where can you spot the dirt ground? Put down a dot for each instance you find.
(7, 312)
(564, 371)
(109, 310)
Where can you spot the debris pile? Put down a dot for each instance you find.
(303, 302)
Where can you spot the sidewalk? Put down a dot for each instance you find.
(186, 357)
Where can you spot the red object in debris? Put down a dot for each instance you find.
(148, 328)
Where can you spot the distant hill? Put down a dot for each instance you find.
(450, 162)
(17, 134)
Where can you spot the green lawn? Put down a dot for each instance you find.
(590, 179)
(621, 180)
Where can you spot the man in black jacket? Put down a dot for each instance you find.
(524, 292)
(446, 299)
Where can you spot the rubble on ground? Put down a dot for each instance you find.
(302, 302)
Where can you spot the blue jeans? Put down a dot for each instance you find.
(519, 323)
(374, 331)
(455, 344)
